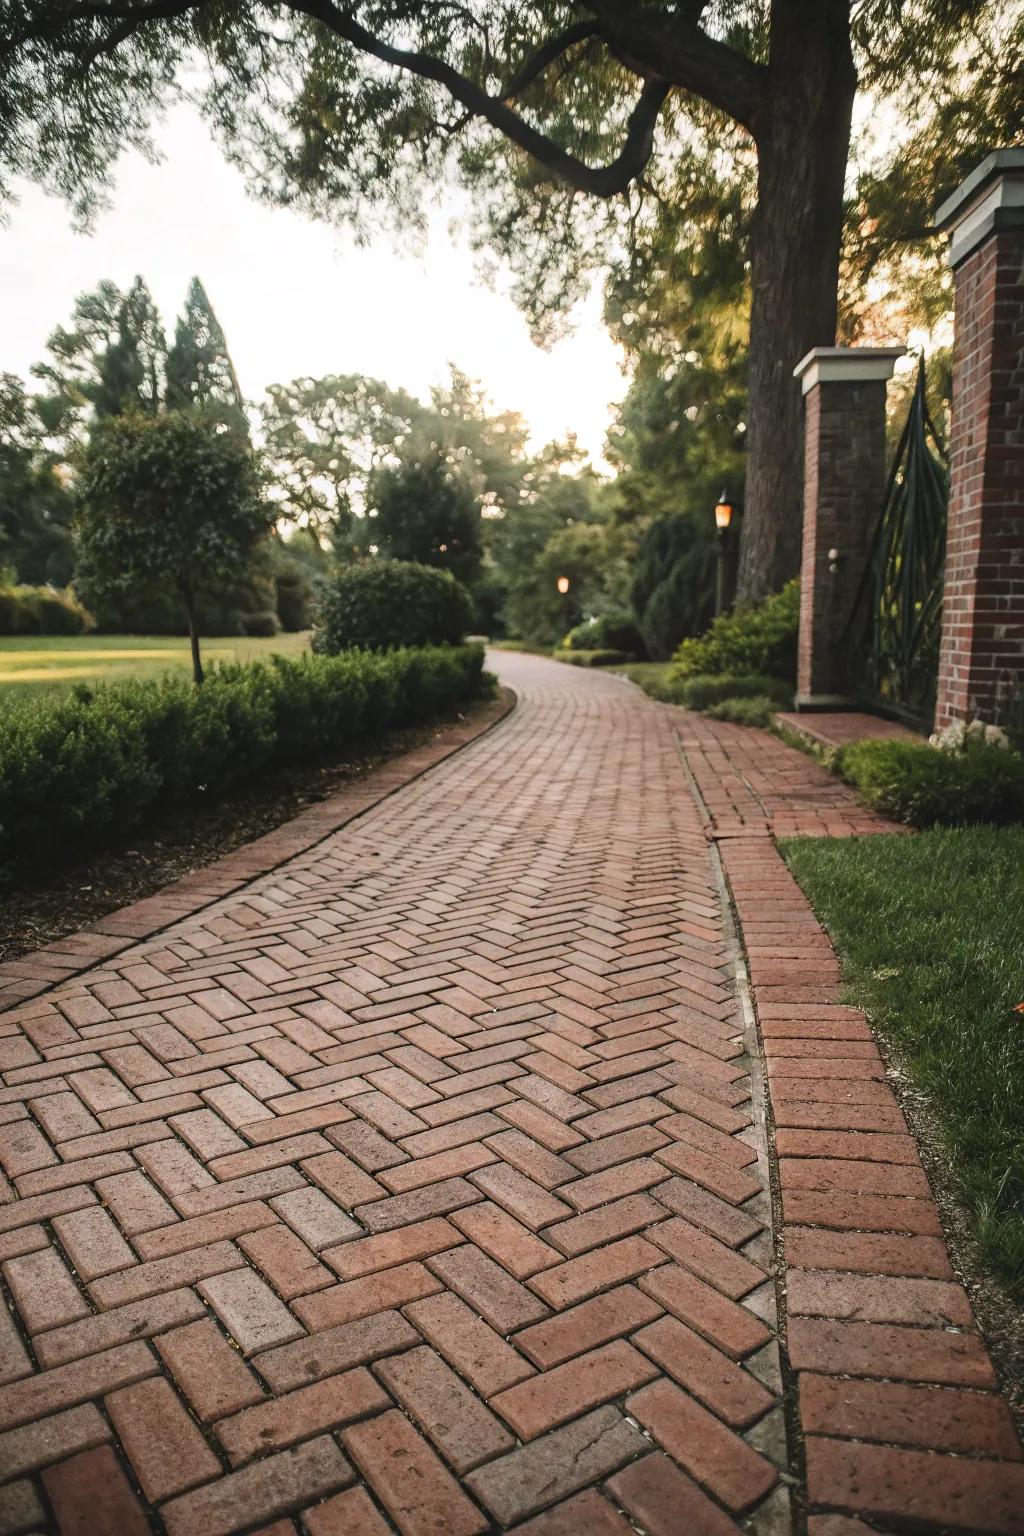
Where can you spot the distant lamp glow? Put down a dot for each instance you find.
(723, 517)
(562, 584)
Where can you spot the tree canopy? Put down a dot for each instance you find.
(575, 124)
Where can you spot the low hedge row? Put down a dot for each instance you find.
(925, 787)
(42, 611)
(755, 709)
(703, 692)
(78, 767)
(600, 658)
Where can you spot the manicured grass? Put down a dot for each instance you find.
(648, 675)
(930, 931)
(32, 662)
(519, 645)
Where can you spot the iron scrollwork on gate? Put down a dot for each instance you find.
(896, 622)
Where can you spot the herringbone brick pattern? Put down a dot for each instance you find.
(413, 1186)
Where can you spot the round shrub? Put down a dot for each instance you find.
(609, 632)
(261, 626)
(385, 604)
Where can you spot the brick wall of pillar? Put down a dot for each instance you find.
(981, 667)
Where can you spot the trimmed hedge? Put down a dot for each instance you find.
(702, 692)
(609, 632)
(752, 709)
(761, 638)
(42, 611)
(925, 787)
(80, 767)
(601, 658)
(387, 603)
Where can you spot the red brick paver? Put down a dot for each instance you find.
(419, 1185)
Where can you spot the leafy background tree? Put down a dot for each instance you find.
(423, 512)
(35, 507)
(324, 438)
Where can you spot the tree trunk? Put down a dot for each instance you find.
(803, 144)
(193, 633)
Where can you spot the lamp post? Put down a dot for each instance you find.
(723, 517)
(562, 584)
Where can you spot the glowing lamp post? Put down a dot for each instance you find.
(723, 517)
(562, 584)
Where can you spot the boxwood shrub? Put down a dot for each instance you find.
(79, 767)
(757, 638)
(703, 692)
(599, 658)
(386, 603)
(752, 709)
(609, 632)
(924, 787)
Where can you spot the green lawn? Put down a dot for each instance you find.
(29, 662)
(930, 931)
(651, 676)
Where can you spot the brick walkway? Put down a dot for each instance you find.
(420, 1184)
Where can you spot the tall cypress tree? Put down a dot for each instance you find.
(199, 366)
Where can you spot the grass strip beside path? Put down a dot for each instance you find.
(930, 933)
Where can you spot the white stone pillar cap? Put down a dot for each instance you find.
(846, 365)
(991, 198)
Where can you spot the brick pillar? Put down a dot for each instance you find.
(844, 483)
(981, 662)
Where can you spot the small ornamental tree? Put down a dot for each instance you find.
(174, 499)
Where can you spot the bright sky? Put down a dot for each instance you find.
(295, 297)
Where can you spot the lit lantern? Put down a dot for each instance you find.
(562, 584)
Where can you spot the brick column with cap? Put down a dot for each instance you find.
(981, 664)
(844, 483)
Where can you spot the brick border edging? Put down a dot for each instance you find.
(38, 971)
(867, 1279)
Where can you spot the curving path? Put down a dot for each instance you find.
(418, 1186)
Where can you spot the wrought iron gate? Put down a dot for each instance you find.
(896, 622)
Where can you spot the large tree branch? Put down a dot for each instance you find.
(55, 18)
(676, 50)
(533, 67)
(600, 181)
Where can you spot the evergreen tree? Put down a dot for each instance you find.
(35, 507)
(131, 370)
(199, 366)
